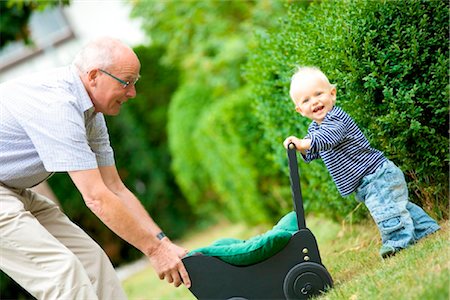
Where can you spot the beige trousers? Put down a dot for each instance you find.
(48, 255)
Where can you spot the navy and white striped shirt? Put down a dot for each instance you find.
(344, 149)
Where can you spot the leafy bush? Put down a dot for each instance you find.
(309, 36)
(390, 63)
(226, 139)
(229, 134)
(186, 108)
(403, 68)
(208, 41)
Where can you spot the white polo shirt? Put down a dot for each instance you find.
(48, 124)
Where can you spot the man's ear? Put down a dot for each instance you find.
(92, 77)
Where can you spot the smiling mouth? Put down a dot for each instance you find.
(318, 108)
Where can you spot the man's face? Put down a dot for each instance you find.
(110, 91)
(314, 98)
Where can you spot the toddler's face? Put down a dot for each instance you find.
(314, 98)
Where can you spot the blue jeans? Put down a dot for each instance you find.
(400, 221)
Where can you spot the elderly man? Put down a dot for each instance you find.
(53, 122)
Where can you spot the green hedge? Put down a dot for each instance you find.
(403, 68)
(209, 136)
(186, 108)
(389, 60)
(226, 134)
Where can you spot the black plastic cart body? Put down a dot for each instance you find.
(296, 272)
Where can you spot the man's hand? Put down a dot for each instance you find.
(166, 260)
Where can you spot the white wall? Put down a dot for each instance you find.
(89, 19)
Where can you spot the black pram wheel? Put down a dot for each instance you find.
(306, 280)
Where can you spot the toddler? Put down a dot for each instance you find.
(354, 165)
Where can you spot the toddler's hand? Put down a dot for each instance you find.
(292, 139)
(301, 145)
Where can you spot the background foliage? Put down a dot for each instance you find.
(404, 70)
(15, 15)
(204, 136)
(231, 112)
(390, 64)
(208, 138)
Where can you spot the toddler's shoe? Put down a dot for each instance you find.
(387, 251)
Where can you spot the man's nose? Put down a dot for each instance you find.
(131, 91)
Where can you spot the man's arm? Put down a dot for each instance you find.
(115, 184)
(109, 199)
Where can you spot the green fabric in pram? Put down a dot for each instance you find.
(246, 252)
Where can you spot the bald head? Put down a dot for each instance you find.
(102, 53)
(108, 70)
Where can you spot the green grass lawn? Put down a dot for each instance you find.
(349, 252)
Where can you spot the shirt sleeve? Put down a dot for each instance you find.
(58, 133)
(98, 140)
(330, 133)
(310, 156)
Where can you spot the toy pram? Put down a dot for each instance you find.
(295, 272)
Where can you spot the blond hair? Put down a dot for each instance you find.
(302, 73)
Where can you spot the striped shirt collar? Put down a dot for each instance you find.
(331, 113)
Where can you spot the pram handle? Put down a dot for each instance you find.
(295, 185)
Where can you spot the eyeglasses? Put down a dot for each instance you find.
(124, 83)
